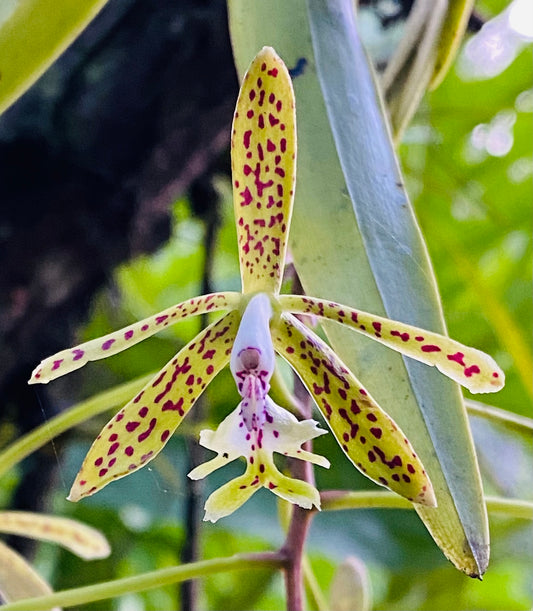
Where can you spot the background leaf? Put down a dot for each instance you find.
(380, 262)
(33, 34)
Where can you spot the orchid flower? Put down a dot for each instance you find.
(259, 323)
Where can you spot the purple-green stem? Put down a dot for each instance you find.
(293, 548)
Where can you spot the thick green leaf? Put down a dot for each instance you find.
(377, 263)
(33, 34)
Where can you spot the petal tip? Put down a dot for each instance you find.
(426, 497)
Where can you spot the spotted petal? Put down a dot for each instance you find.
(263, 150)
(369, 437)
(140, 430)
(82, 540)
(18, 579)
(73, 358)
(472, 368)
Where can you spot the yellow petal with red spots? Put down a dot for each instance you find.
(73, 358)
(263, 161)
(469, 367)
(369, 437)
(80, 539)
(140, 430)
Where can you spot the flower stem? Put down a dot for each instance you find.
(314, 592)
(293, 548)
(496, 414)
(334, 500)
(147, 581)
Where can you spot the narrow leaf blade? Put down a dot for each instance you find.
(33, 33)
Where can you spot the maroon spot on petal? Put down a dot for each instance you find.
(371, 417)
(403, 336)
(142, 436)
(383, 481)
(470, 371)
(430, 348)
(102, 472)
(354, 408)
(143, 411)
(113, 437)
(98, 461)
(82, 482)
(209, 370)
(57, 364)
(159, 379)
(410, 468)
(169, 405)
(346, 437)
(377, 432)
(495, 374)
(113, 448)
(395, 477)
(145, 328)
(77, 354)
(406, 478)
(377, 327)
(419, 338)
(129, 450)
(107, 344)
(275, 433)
(371, 456)
(164, 435)
(458, 357)
(145, 457)
(246, 138)
(131, 426)
(160, 319)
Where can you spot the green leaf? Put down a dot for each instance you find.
(377, 263)
(33, 34)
